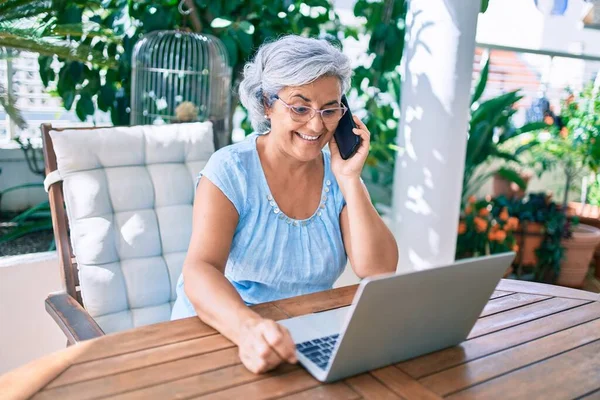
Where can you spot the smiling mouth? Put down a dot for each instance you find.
(307, 137)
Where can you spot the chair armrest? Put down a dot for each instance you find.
(73, 319)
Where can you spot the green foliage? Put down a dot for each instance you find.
(34, 219)
(377, 87)
(52, 29)
(593, 195)
(112, 28)
(490, 131)
(539, 208)
(572, 143)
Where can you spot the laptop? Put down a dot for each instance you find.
(396, 317)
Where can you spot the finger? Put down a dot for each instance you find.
(280, 341)
(263, 352)
(255, 364)
(363, 148)
(291, 346)
(359, 123)
(365, 135)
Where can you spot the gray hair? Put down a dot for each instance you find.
(289, 61)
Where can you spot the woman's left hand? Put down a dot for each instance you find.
(352, 167)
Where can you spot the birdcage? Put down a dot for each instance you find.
(180, 76)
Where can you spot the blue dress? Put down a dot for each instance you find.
(273, 256)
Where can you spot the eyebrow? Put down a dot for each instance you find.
(309, 100)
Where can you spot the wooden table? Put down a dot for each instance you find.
(531, 341)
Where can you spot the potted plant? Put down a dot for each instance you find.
(571, 145)
(483, 230)
(589, 214)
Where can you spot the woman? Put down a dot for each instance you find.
(274, 215)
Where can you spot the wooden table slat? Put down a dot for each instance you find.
(505, 303)
(512, 285)
(403, 385)
(565, 376)
(370, 388)
(488, 344)
(332, 391)
(140, 359)
(595, 395)
(500, 293)
(282, 385)
(161, 334)
(465, 375)
(203, 383)
(145, 337)
(317, 301)
(497, 322)
(113, 384)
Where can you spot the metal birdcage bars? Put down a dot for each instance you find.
(173, 67)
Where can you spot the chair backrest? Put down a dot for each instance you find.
(122, 213)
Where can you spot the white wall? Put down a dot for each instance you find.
(515, 23)
(518, 23)
(27, 332)
(16, 172)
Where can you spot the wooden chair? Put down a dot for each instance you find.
(67, 308)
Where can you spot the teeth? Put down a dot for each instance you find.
(311, 138)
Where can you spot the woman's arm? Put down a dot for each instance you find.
(263, 343)
(370, 245)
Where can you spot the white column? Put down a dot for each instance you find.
(436, 87)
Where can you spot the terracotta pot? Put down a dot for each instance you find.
(588, 215)
(579, 250)
(587, 211)
(506, 188)
(528, 241)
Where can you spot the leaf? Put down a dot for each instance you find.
(43, 206)
(26, 229)
(84, 107)
(245, 42)
(512, 176)
(106, 97)
(93, 85)
(232, 49)
(44, 63)
(484, 5)
(155, 18)
(483, 76)
(68, 98)
(247, 27)
(503, 155)
(532, 126)
(76, 71)
(219, 23)
(71, 15)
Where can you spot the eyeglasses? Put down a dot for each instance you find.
(329, 116)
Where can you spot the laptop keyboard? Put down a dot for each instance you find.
(318, 350)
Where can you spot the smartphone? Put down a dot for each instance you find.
(346, 140)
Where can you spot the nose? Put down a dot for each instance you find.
(316, 123)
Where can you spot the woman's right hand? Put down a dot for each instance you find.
(264, 344)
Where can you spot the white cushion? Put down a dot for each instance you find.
(128, 194)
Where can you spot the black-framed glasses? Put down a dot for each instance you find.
(303, 114)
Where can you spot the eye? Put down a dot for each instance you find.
(330, 112)
(301, 110)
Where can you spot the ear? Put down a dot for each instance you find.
(266, 107)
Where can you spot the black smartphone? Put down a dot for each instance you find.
(346, 140)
